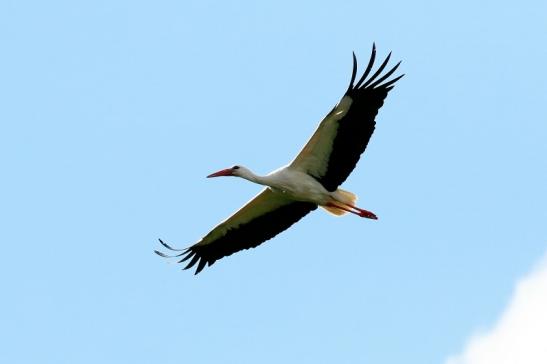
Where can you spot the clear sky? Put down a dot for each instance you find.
(113, 112)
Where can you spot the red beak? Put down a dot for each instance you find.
(224, 172)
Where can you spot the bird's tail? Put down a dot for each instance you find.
(345, 198)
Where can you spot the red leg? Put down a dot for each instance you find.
(361, 212)
(364, 213)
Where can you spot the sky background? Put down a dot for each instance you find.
(113, 112)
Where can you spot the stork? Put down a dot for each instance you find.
(309, 181)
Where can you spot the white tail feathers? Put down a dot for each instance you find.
(345, 198)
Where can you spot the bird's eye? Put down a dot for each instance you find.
(235, 167)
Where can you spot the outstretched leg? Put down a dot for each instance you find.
(350, 208)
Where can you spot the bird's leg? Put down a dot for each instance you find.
(359, 211)
(364, 213)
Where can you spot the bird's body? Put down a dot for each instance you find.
(312, 179)
(291, 183)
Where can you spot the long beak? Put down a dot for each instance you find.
(224, 172)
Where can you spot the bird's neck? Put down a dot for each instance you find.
(261, 180)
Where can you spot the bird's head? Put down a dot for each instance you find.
(237, 171)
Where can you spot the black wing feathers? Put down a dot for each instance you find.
(367, 70)
(357, 126)
(245, 236)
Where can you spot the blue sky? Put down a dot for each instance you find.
(113, 112)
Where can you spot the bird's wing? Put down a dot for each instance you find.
(342, 136)
(262, 218)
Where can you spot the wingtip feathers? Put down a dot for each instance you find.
(372, 82)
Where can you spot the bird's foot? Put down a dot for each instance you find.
(367, 214)
(364, 213)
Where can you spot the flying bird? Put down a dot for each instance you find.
(309, 181)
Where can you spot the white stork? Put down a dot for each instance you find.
(310, 180)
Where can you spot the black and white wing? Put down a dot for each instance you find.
(262, 218)
(342, 136)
